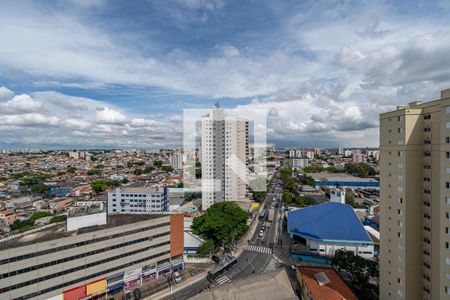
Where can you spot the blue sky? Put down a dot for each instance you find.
(96, 73)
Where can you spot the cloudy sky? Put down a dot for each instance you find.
(97, 73)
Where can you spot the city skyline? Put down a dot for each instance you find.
(91, 74)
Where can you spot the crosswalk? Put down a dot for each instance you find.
(224, 279)
(261, 249)
(273, 265)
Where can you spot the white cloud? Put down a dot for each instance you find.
(143, 122)
(30, 119)
(106, 115)
(20, 103)
(5, 93)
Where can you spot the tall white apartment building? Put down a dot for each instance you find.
(224, 158)
(176, 160)
(415, 201)
(138, 199)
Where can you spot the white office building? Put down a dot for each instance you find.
(224, 158)
(138, 199)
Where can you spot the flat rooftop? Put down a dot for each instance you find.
(338, 177)
(139, 190)
(59, 230)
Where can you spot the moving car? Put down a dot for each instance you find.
(261, 233)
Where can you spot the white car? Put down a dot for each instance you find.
(176, 277)
(261, 233)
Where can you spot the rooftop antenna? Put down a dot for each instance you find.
(217, 105)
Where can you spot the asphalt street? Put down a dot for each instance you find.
(257, 256)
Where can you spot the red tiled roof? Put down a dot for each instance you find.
(336, 289)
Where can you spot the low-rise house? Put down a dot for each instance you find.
(7, 216)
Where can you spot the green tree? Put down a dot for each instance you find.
(287, 198)
(358, 269)
(57, 219)
(259, 196)
(304, 201)
(101, 185)
(148, 170)
(39, 188)
(157, 163)
(350, 200)
(222, 222)
(137, 171)
(167, 168)
(71, 170)
(206, 248)
(360, 169)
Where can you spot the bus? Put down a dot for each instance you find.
(221, 268)
(271, 215)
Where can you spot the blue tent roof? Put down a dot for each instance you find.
(329, 221)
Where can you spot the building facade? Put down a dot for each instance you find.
(176, 160)
(224, 158)
(55, 262)
(415, 201)
(137, 199)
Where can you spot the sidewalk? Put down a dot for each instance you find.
(178, 287)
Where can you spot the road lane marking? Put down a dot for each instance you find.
(224, 279)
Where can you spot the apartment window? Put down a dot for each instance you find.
(447, 200)
(399, 118)
(447, 125)
(400, 177)
(400, 189)
(427, 153)
(447, 154)
(427, 117)
(399, 153)
(399, 130)
(400, 142)
(427, 129)
(447, 185)
(447, 260)
(400, 166)
(447, 215)
(400, 200)
(447, 139)
(446, 245)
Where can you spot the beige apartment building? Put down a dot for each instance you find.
(415, 201)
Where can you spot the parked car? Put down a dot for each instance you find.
(176, 277)
(261, 233)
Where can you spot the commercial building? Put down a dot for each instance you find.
(329, 227)
(90, 256)
(224, 158)
(415, 201)
(343, 180)
(138, 199)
